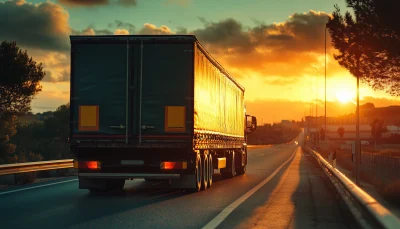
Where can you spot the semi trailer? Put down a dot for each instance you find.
(154, 107)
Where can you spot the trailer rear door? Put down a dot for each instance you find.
(98, 90)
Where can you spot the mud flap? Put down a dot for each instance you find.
(187, 181)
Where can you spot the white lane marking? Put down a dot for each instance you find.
(225, 213)
(38, 186)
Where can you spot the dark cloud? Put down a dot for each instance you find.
(88, 3)
(287, 49)
(225, 34)
(125, 25)
(181, 31)
(43, 25)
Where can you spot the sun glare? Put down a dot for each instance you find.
(344, 96)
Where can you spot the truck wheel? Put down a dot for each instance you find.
(198, 175)
(232, 173)
(205, 171)
(241, 170)
(210, 170)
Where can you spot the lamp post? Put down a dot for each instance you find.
(316, 107)
(326, 27)
(358, 146)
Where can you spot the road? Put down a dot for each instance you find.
(282, 188)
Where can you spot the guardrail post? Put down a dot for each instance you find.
(334, 159)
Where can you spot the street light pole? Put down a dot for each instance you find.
(326, 27)
(316, 108)
(358, 146)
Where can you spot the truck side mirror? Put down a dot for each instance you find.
(251, 123)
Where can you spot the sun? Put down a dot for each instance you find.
(344, 96)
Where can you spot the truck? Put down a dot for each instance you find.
(154, 107)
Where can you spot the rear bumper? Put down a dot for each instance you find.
(130, 175)
(93, 180)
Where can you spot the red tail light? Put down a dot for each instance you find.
(173, 165)
(87, 164)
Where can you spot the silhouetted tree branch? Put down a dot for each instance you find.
(369, 42)
(20, 78)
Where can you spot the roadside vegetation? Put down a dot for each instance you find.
(276, 133)
(378, 167)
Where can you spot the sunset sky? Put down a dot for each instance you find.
(274, 48)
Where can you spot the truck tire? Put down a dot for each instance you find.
(242, 169)
(205, 170)
(198, 174)
(210, 170)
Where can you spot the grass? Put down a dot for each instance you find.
(384, 178)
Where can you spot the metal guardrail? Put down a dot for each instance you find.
(367, 211)
(35, 166)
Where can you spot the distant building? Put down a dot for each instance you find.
(390, 115)
(368, 113)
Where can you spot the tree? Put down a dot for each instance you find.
(7, 130)
(44, 138)
(20, 78)
(369, 42)
(340, 131)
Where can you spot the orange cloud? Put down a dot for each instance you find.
(380, 101)
(275, 110)
(55, 64)
(288, 49)
(121, 32)
(150, 29)
(279, 57)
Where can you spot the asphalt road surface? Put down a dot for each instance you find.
(282, 188)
